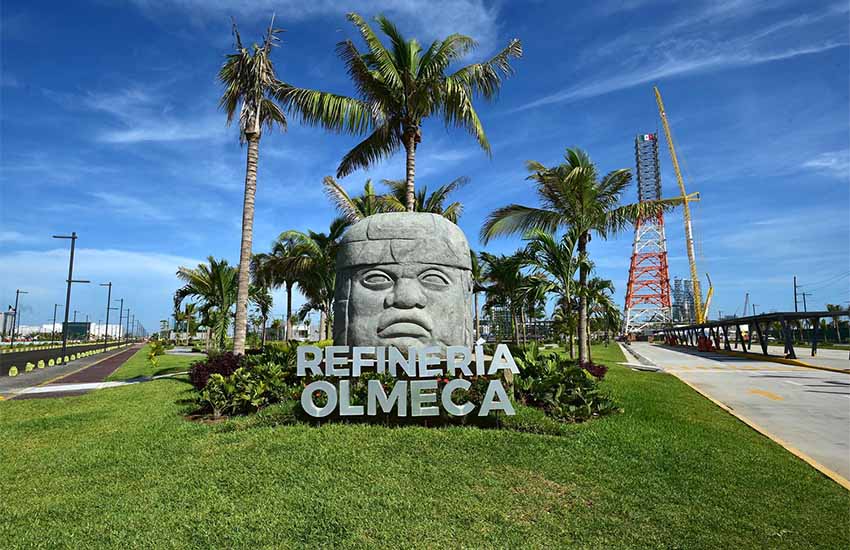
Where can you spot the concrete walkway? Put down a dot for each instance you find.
(807, 409)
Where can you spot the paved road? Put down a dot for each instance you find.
(807, 408)
(21, 358)
(10, 385)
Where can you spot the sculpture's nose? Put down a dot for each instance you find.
(406, 294)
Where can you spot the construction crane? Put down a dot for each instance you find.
(700, 311)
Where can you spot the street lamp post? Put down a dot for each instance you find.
(53, 336)
(120, 317)
(15, 319)
(108, 303)
(127, 330)
(70, 281)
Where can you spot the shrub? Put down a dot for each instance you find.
(157, 348)
(29, 367)
(597, 370)
(13, 371)
(559, 387)
(51, 362)
(40, 364)
(224, 363)
(246, 390)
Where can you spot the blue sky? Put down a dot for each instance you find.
(109, 127)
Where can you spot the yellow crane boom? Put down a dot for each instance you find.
(699, 311)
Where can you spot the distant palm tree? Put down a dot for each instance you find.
(399, 87)
(263, 301)
(356, 208)
(278, 268)
(250, 84)
(835, 308)
(214, 284)
(503, 280)
(574, 198)
(369, 203)
(423, 202)
(314, 266)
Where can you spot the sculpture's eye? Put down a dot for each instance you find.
(434, 279)
(377, 280)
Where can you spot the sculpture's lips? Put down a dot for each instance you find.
(404, 326)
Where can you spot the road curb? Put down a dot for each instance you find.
(833, 475)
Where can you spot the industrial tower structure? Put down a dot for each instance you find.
(648, 293)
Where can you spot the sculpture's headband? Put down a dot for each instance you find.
(403, 237)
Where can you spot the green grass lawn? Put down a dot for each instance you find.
(121, 468)
(138, 365)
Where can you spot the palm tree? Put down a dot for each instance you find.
(600, 304)
(399, 87)
(503, 280)
(477, 287)
(574, 198)
(315, 270)
(835, 308)
(250, 83)
(214, 284)
(354, 209)
(263, 301)
(277, 269)
(423, 202)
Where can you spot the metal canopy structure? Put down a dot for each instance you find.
(717, 332)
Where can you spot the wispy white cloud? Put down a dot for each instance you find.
(672, 66)
(691, 45)
(427, 19)
(145, 115)
(15, 237)
(133, 207)
(146, 280)
(833, 163)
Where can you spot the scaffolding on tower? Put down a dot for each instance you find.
(648, 306)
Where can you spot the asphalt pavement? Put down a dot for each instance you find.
(807, 408)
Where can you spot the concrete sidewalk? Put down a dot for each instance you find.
(807, 409)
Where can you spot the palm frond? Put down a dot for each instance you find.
(380, 144)
(485, 79)
(516, 219)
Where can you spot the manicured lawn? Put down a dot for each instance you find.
(138, 365)
(121, 468)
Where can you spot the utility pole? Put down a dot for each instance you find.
(795, 294)
(55, 307)
(70, 281)
(15, 319)
(754, 309)
(75, 316)
(804, 294)
(132, 325)
(108, 303)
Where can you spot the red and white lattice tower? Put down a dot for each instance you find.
(648, 292)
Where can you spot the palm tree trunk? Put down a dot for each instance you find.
(241, 322)
(582, 301)
(410, 148)
(288, 310)
(477, 318)
(263, 335)
(321, 324)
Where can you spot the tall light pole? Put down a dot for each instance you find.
(53, 337)
(15, 319)
(754, 309)
(120, 317)
(108, 303)
(70, 280)
(127, 330)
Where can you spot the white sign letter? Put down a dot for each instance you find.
(451, 407)
(495, 389)
(307, 398)
(312, 363)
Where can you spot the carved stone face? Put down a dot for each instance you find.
(403, 280)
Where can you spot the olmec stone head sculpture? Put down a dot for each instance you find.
(404, 280)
